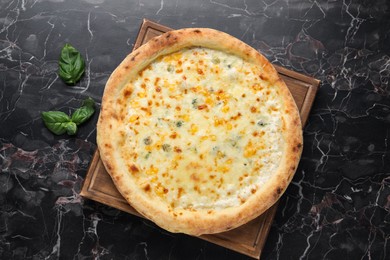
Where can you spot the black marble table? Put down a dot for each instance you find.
(337, 206)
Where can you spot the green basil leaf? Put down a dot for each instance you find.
(89, 102)
(59, 123)
(55, 121)
(71, 65)
(71, 128)
(85, 112)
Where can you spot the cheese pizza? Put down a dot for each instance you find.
(198, 132)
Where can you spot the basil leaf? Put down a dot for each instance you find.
(85, 112)
(58, 122)
(72, 65)
(55, 121)
(89, 102)
(71, 128)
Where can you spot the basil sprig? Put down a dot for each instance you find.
(72, 65)
(59, 123)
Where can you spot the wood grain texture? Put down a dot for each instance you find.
(248, 239)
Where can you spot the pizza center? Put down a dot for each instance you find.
(201, 128)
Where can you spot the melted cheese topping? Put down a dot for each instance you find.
(201, 129)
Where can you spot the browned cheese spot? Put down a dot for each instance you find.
(263, 77)
(133, 169)
(147, 110)
(194, 177)
(200, 71)
(201, 107)
(156, 81)
(115, 116)
(147, 188)
(179, 192)
(236, 116)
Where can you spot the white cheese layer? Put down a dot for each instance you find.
(202, 129)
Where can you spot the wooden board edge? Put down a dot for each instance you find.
(146, 24)
(255, 250)
(87, 190)
(309, 101)
(296, 75)
(88, 177)
(232, 246)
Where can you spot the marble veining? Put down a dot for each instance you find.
(338, 203)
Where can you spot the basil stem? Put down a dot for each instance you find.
(71, 65)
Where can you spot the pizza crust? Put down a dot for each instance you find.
(193, 222)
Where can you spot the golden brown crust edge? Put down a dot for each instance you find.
(109, 121)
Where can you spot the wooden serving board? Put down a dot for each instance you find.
(248, 239)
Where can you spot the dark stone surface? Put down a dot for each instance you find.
(337, 206)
